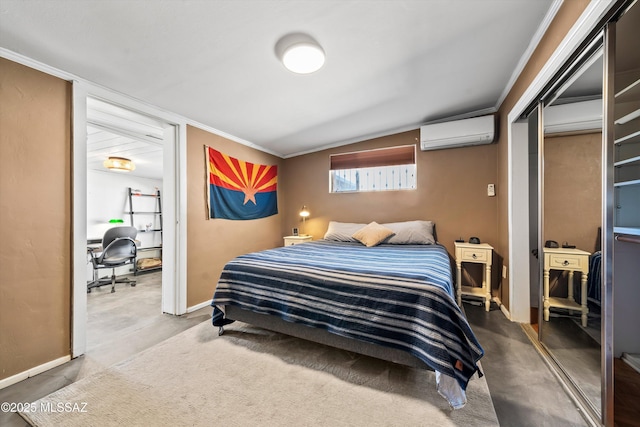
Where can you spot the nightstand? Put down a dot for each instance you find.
(295, 240)
(480, 253)
(569, 260)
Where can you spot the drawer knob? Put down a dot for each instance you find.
(565, 262)
(474, 256)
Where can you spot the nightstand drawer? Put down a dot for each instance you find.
(474, 255)
(296, 240)
(567, 261)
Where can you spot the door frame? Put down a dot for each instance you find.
(174, 283)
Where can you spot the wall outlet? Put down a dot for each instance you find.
(491, 190)
(504, 271)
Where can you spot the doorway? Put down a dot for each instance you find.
(124, 192)
(172, 130)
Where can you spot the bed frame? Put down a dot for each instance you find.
(322, 336)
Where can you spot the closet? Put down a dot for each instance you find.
(570, 173)
(622, 244)
(588, 187)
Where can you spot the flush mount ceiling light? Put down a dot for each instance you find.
(300, 53)
(119, 164)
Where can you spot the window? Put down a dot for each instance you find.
(384, 169)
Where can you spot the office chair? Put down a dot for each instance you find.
(118, 249)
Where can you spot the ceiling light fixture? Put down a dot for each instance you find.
(300, 53)
(119, 164)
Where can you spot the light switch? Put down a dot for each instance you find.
(491, 190)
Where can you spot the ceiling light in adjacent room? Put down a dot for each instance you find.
(300, 53)
(119, 164)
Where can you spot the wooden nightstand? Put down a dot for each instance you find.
(569, 260)
(480, 253)
(295, 240)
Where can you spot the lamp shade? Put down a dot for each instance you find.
(119, 164)
(304, 212)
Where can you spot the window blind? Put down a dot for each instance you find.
(401, 155)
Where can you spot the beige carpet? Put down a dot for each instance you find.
(252, 377)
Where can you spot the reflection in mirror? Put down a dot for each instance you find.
(572, 216)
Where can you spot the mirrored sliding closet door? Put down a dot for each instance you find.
(584, 138)
(571, 222)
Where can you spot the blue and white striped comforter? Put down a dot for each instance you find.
(397, 296)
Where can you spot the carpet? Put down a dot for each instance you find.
(250, 376)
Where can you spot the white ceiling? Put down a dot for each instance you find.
(147, 157)
(391, 65)
(115, 131)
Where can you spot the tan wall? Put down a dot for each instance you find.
(566, 17)
(451, 190)
(573, 189)
(35, 215)
(211, 243)
(35, 218)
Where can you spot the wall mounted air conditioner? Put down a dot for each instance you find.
(573, 117)
(458, 133)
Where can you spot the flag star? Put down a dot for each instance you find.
(249, 195)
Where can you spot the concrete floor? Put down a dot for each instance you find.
(523, 389)
(577, 352)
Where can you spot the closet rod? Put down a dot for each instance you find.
(627, 238)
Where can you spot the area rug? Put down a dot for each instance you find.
(253, 377)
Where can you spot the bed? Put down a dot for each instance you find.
(594, 281)
(391, 299)
(594, 286)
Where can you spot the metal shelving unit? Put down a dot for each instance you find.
(157, 215)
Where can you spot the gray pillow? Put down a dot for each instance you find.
(411, 233)
(342, 231)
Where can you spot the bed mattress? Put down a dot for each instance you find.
(398, 296)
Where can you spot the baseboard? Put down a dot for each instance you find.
(198, 306)
(505, 312)
(33, 372)
(502, 307)
(632, 360)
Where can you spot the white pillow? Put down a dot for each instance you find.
(342, 231)
(411, 233)
(372, 234)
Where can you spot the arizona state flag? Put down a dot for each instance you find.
(239, 189)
